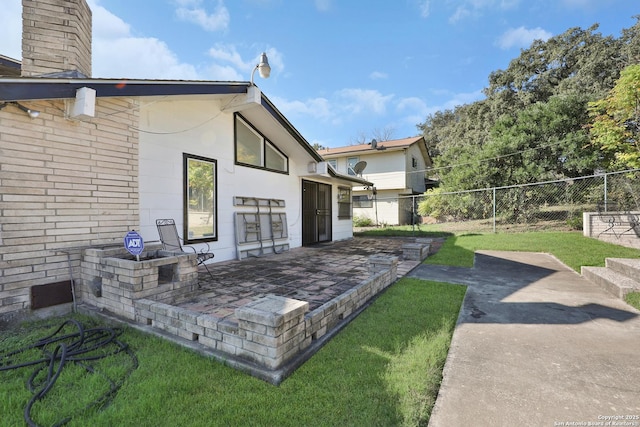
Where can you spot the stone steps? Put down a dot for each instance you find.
(619, 276)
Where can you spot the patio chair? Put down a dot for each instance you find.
(172, 242)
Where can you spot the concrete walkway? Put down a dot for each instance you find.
(536, 344)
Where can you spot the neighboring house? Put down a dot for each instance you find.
(107, 156)
(397, 169)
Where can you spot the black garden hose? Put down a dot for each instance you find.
(80, 347)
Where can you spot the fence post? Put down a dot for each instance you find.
(605, 192)
(494, 209)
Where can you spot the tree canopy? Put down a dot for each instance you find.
(616, 121)
(536, 120)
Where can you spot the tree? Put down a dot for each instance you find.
(533, 123)
(631, 42)
(615, 128)
(545, 141)
(384, 134)
(576, 61)
(455, 140)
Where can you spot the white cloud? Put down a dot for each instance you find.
(521, 37)
(460, 13)
(356, 101)
(11, 29)
(228, 53)
(377, 75)
(323, 5)
(582, 4)
(235, 64)
(143, 58)
(413, 110)
(425, 8)
(342, 105)
(192, 11)
(106, 25)
(118, 54)
(225, 73)
(411, 104)
(317, 108)
(477, 7)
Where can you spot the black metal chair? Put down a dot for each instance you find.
(171, 241)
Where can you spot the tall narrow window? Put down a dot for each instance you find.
(200, 199)
(344, 202)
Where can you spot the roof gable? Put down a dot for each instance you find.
(380, 148)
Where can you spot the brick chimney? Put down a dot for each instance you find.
(56, 38)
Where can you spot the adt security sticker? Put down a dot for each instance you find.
(133, 243)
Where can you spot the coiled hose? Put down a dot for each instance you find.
(80, 347)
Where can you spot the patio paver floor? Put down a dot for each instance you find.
(315, 274)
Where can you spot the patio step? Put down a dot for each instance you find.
(619, 277)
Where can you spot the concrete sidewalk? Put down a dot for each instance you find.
(536, 344)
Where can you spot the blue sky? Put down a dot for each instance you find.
(342, 71)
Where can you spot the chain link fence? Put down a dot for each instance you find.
(551, 205)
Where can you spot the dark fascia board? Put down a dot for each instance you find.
(30, 89)
(282, 120)
(36, 88)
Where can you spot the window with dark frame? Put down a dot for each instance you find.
(344, 202)
(362, 201)
(253, 149)
(200, 199)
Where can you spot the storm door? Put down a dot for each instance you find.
(316, 212)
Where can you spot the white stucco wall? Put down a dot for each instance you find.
(415, 174)
(386, 203)
(197, 127)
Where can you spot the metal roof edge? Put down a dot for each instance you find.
(349, 178)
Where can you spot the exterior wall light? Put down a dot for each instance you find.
(32, 113)
(263, 68)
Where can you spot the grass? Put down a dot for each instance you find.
(572, 248)
(633, 299)
(383, 369)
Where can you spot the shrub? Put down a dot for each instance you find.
(362, 221)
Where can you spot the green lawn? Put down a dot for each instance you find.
(571, 248)
(383, 369)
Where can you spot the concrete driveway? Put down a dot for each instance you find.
(536, 344)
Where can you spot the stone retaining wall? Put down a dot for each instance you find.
(271, 330)
(620, 228)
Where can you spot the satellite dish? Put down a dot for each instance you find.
(359, 167)
(374, 143)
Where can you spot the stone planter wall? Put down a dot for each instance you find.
(112, 279)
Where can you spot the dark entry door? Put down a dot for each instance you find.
(316, 212)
